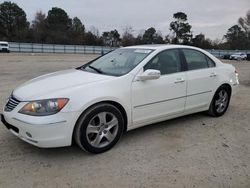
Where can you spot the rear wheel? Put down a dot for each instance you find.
(99, 128)
(220, 102)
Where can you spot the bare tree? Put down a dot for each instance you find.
(38, 27)
(127, 37)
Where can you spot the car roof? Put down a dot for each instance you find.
(3, 42)
(160, 46)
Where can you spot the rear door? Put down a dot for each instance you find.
(202, 79)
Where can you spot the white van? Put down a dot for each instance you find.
(4, 47)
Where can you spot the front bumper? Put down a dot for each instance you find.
(235, 88)
(5, 50)
(45, 132)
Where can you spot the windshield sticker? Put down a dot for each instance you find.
(143, 51)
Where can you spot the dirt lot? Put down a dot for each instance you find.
(192, 151)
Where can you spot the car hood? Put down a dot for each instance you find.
(55, 81)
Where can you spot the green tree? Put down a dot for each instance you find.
(58, 24)
(92, 39)
(236, 38)
(198, 40)
(181, 29)
(77, 26)
(115, 38)
(158, 38)
(13, 22)
(78, 31)
(111, 38)
(150, 36)
(201, 42)
(245, 24)
(139, 39)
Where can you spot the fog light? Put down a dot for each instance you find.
(28, 134)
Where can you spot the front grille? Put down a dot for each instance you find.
(11, 104)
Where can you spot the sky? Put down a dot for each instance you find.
(210, 17)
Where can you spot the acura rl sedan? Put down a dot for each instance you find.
(93, 105)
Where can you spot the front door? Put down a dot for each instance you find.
(154, 100)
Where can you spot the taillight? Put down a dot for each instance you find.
(236, 72)
(237, 76)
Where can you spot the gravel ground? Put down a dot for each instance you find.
(191, 151)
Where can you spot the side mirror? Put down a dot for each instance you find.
(149, 74)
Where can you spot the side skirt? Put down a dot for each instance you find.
(191, 111)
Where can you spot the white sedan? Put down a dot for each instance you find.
(238, 56)
(130, 87)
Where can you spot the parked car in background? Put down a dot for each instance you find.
(238, 56)
(248, 57)
(4, 47)
(225, 56)
(127, 88)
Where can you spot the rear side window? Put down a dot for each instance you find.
(197, 60)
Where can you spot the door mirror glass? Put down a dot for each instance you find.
(149, 74)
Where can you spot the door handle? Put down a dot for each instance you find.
(213, 74)
(179, 80)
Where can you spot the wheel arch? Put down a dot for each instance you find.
(114, 103)
(211, 110)
(228, 86)
(121, 109)
(221, 85)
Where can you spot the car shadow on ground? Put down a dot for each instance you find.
(129, 138)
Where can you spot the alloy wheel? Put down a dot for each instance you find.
(102, 129)
(222, 101)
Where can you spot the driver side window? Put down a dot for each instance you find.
(166, 62)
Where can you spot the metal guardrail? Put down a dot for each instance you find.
(221, 53)
(57, 48)
(85, 49)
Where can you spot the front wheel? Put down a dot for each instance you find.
(99, 128)
(220, 102)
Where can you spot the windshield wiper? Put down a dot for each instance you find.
(95, 69)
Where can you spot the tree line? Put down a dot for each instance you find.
(58, 28)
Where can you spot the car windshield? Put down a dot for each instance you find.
(118, 62)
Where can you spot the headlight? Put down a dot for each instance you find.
(44, 107)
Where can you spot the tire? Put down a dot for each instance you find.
(220, 102)
(99, 128)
